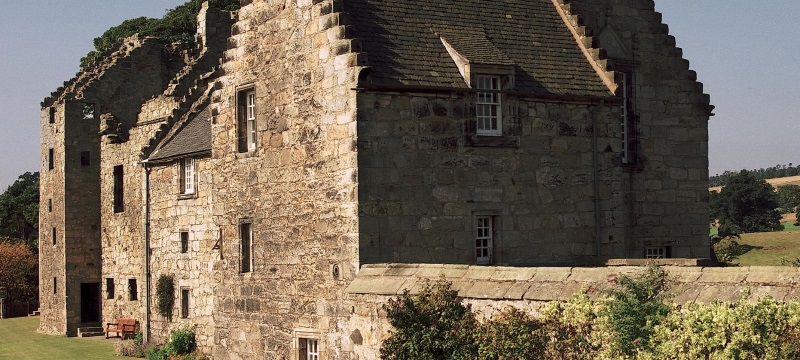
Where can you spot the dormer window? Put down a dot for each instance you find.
(488, 106)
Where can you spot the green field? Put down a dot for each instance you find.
(19, 340)
(768, 249)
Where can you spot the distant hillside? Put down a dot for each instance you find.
(776, 182)
(777, 171)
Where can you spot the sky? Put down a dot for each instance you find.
(743, 51)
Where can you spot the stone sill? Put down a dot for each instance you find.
(187, 196)
(504, 141)
(660, 262)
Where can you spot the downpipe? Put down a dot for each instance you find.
(596, 179)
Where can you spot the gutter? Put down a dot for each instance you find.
(146, 166)
(596, 179)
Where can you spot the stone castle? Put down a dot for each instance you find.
(310, 158)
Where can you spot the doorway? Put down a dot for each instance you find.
(90, 302)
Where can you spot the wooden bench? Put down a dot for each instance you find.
(124, 328)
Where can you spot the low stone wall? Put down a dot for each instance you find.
(542, 284)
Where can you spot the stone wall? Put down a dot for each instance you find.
(664, 198)
(492, 289)
(423, 179)
(170, 214)
(297, 188)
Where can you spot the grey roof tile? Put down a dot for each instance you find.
(193, 137)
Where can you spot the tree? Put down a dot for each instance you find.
(433, 325)
(19, 210)
(788, 198)
(748, 203)
(19, 271)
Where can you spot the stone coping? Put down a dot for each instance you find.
(689, 284)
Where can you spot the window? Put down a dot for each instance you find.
(85, 158)
(133, 293)
(657, 252)
(246, 233)
(119, 202)
(49, 205)
(54, 236)
(109, 288)
(184, 241)
(247, 120)
(488, 106)
(184, 303)
(50, 161)
(55, 286)
(627, 128)
(88, 111)
(52, 115)
(187, 176)
(309, 349)
(484, 236)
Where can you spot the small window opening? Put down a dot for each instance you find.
(246, 233)
(119, 202)
(49, 205)
(54, 236)
(184, 303)
(50, 160)
(133, 291)
(55, 286)
(52, 115)
(109, 288)
(88, 111)
(184, 241)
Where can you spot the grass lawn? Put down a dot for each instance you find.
(19, 340)
(767, 249)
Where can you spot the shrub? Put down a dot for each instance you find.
(19, 272)
(165, 292)
(434, 324)
(513, 334)
(130, 348)
(182, 340)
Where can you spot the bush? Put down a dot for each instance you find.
(130, 348)
(165, 292)
(182, 341)
(435, 324)
(19, 272)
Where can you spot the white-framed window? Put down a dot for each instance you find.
(309, 349)
(488, 106)
(484, 239)
(655, 252)
(247, 126)
(187, 176)
(246, 234)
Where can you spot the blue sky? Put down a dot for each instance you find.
(743, 51)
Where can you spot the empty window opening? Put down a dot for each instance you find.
(88, 111)
(50, 160)
(52, 115)
(247, 126)
(484, 238)
(184, 241)
(119, 202)
(133, 291)
(309, 349)
(246, 233)
(86, 159)
(184, 303)
(109, 288)
(55, 286)
(187, 176)
(54, 236)
(488, 106)
(49, 205)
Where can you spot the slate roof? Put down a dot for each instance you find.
(193, 137)
(403, 46)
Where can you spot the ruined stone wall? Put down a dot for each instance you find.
(424, 178)
(297, 188)
(170, 214)
(666, 191)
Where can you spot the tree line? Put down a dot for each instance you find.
(777, 171)
(19, 233)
